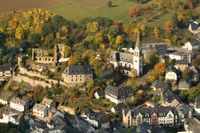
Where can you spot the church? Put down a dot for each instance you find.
(129, 62)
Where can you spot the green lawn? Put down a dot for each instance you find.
(161, 20)
(77, 9)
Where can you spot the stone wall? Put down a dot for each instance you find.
(32, 82)
(31, 73)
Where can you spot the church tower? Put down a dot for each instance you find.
(55, 54)
(138, 57)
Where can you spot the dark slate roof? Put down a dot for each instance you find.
(121, 56)
(119, 92)
(161, 49)
(147, 112)
(100, 92)
(119, 107)
(169, 96)
(5, 67)
(78, 69)
(194, 69)
(185, 109)
(194, 25)
(186, 62)
(161, 85)
(171, 69)
(197, 100)
(99, 116)
(158, 84)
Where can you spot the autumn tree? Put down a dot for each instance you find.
(168, 27)
(133, 11)
(92, 27)
(119, 39)
(72, 60)
(156, 32)
(157, 72)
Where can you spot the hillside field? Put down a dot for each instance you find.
(8, 5)
(78, 9)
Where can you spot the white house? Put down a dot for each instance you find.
(10, 115)
(99, 94)
(118, 94)
(181, 56)
(197, 105)
(18, 104)
(40, 110)
(48, 102)
(191, 46)
(5, 71)
(171, 74)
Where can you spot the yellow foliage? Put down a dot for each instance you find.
(93, 27)
(119, 39)
(98, 38)
(19, 33)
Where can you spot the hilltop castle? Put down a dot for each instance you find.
(129, 62)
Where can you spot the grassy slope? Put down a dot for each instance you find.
(160, 22)
(76, 11)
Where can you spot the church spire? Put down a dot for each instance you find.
(137, 44)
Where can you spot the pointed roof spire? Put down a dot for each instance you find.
(138, 41)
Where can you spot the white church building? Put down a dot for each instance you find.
(129, 62)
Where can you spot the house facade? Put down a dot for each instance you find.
(5, 71)
(197, 105)
(191, 46)
(180, 55)
(129, 62)
(77, 74)
(5, 97)
(40, 110)
(171, 74)
(18, 104)
(118, 94)
(158, 116)
(10, 115)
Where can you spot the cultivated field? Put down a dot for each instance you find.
(8, 5)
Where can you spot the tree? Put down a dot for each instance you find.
(19, 34)
(151, 58)
(186, 74)
(133, 11)
(72, 60)
(157, 72)
(168, 27)
(133, 74)
(190, 4)
(109, 3)
(93, 27)
(156, 32)
(119, 39)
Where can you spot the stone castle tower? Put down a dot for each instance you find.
(138, 57)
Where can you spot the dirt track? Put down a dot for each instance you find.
(8, 5)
